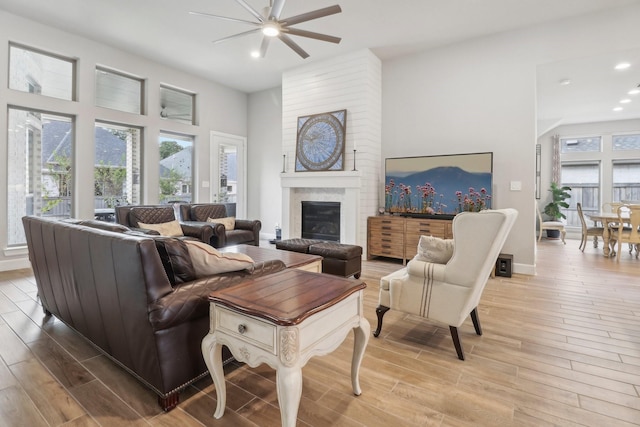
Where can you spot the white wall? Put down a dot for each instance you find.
(480, 96)
(351, 82)
(265, 159)
(219, 108)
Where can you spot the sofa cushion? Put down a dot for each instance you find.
(434, 249)
(208, 261)
(167, 229)
(175, 260)
(229, 222)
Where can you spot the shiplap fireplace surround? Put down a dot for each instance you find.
(343, 187)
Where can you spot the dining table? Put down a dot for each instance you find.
(607, 219)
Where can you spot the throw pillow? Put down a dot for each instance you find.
(228, 222)
(208, 261)
(175, 260)
(434, 249)
(167, 229)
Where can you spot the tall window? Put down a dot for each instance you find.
(117, 165)
(176, 171)
(39, 179)
(584, 180)
(37, 72)
(626, 180)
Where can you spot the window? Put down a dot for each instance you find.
(176, 172)
(569, 145)
(177, 105)
(626, 180)
(118, 91)
(584, 180)
(41, 73)
(39, 172)
(626, 142)
(117, 165)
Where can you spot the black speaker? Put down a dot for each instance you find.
(504, 265)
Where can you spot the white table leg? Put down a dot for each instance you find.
(289, 388)
(212, 354)
(361, 338)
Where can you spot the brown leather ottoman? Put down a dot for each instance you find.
(339, 259)
(297, 245)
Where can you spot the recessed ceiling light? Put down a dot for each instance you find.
(617, 109)
(625, 101)
(564, 82)
(255, 54)
(634, 91)
(622, 66)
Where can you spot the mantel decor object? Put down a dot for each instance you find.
(320, 142)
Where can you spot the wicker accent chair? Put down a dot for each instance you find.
(132, 216)
(449, 293)
(245, 231)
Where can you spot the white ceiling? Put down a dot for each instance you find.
(164, 31)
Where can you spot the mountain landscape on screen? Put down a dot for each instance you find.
(439, 190)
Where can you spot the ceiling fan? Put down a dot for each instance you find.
(269, 23)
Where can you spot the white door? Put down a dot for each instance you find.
(228, 171)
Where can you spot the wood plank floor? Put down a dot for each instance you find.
(561, 348)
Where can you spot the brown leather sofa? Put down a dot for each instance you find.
(245, 231)
(132, 215)
(112, 287)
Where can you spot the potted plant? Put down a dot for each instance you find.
(552, 210)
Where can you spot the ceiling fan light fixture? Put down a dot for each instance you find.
(271, 29)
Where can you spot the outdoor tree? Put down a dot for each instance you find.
(169, 182)
(168, 148)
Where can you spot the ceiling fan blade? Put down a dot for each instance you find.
(251, 10)
(331, 10)
(235, 36)
(264, 46)
(311, 35)
(276, 9)
(293, 45)
(226, 18)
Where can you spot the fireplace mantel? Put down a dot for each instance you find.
(343, 186)
(328, 179)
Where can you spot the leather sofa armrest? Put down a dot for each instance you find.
(201, 231)
(218, 237)
(190, 300)
(253, 225)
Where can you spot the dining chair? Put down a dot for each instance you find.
(626, 234)
(588, 231)
(550, 225)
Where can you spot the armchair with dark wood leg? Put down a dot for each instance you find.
(449, 293)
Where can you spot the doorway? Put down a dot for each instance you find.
(228, 172)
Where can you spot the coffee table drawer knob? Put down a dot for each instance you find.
(241, 329)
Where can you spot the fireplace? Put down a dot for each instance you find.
(321, 220)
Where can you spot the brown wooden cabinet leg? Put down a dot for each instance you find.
(380, 311)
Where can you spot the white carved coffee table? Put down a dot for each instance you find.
(283, 320)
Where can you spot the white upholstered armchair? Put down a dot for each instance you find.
(450, 292)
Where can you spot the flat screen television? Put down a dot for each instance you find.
(438, 186)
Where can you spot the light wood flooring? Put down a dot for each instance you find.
(561, 348)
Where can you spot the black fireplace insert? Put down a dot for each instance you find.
(321, 220)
